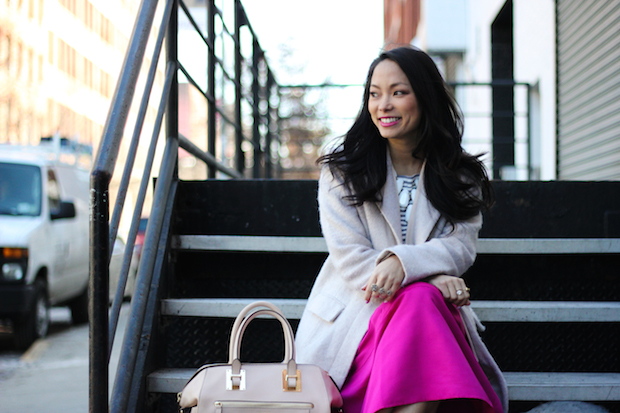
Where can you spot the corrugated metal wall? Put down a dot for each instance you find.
(588, 65)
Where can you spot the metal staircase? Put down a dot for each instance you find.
(546, 282)
(228, 252)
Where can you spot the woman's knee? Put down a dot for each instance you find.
(421, 291)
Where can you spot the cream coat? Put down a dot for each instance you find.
(337, 316)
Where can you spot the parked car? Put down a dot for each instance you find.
(44, 238)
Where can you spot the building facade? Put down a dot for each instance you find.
(59, 62)
(59, 65)
(588, 82)
(563, 57)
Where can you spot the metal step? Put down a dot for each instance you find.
(490, 311)
(521, 386)
(317, 244)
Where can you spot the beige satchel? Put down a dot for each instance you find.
(238, 387)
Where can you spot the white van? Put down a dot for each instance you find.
(44, 237)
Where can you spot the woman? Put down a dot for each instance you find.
(400, 208)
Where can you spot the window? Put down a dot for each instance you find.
(7, 59)
(40, 68)
(50, 48)
(53, 192)
(20, 189)
(20, 58)
(5, 50)
(30, 65)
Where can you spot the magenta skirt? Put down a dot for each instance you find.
(416, 350)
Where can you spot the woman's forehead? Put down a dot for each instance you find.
(388, 72)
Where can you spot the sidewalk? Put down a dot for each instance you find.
(52, 376)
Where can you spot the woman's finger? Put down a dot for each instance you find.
(452, 291)
(462, 292)
(374, 290)
(387, 275)
(368, 289)
(390, 290)
(391, 286)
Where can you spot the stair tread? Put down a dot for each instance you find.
(490, 311)
(521, 385)
(317, 244)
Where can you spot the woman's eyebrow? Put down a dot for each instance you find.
(392, 85)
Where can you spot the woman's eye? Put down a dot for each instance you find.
(373, 94)
(400, 92)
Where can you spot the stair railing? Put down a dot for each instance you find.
(101, 175)
(126, 391)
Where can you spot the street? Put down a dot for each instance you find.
(52, 375)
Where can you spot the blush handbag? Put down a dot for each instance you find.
(238, 387)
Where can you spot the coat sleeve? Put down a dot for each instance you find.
(450, 252)
(350, 249)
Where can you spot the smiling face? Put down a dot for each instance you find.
(392, 104)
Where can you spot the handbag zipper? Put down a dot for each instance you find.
(264, 405)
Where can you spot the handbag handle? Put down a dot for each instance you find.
(243, 320)
(291, 377)
(289, 347)
(247, 309)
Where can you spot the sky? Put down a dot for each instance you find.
(329, 40)
(305, 42)
(332, 39)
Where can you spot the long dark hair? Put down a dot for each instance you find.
(456, 182)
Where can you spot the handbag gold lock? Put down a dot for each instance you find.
(285, 377)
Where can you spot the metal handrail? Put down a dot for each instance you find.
(127, 384)
(122, 192)
(206, 157)
(114, 314)
(210, 98)
(131, 341)
(99, 209)
(192, 21)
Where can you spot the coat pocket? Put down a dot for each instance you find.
(326, 307)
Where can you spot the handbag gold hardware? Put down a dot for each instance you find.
(285, 377)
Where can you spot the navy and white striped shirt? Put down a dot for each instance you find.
(406, 186)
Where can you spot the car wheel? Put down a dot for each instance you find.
(36, 323)
(79, 308)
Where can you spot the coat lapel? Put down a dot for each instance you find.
(389, 206)
(423, 217)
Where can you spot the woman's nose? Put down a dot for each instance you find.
(385, 104)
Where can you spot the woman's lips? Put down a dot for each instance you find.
(389, 121)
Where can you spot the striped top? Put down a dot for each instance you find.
(406, 186)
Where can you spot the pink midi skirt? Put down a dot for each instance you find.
(416, 350)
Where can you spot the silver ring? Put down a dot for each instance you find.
(459, 292)
(388, 292)
(381, 291)
(374, 288)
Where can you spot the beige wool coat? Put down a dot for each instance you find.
(337, 315)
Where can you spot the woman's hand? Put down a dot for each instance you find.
(452, 288)
(385, 280)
